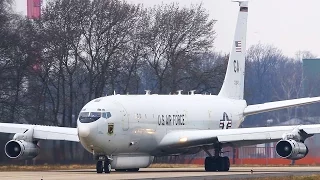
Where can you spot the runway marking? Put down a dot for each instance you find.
(161, 173)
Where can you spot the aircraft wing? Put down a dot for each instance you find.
(271, 106)
(232, 137)
(42, 132)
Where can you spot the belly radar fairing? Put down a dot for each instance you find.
(126, 132)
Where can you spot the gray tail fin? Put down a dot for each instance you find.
(233, 85)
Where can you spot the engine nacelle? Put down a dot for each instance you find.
(131, 162)
(291, 149)
(19, 149)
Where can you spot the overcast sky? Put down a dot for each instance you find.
(290, 25)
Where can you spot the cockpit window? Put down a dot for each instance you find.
(88, 117)
(95, 114)
(106, 115)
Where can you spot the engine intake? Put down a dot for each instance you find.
(291, 149)
(21, 149)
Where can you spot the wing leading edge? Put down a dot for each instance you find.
(42, 132)
(232, 137)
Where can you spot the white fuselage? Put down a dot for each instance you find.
(139, 122)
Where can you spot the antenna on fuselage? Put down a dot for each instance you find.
(148, 92)
(179, 92)
(114, 93)
(192, 92)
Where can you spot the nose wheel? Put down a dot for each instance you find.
(103, 166)
(107, 166)
(99, 167)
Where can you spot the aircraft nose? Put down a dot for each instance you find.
(83, 130)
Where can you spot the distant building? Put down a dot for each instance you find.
(34, 9)
(311, 85)
(311, 77)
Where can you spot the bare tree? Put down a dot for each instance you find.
(131, 58)
(300, 55)
(206, 73)
(13, 64)
(288, 84)
(261, 65)
(173, 37)
(106, 31)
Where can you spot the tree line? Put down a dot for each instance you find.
(82, 49)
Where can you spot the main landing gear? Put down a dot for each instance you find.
(103, 166)
(216, 162)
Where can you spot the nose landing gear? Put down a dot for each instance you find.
(103, 165)
(216, 162)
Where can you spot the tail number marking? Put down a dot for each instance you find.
(236, 66)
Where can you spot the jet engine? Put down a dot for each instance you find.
(291, 149)
(20, 149)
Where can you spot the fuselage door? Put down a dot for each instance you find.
(209, 120)
(125, 120)
(104, 123)
(123, 116)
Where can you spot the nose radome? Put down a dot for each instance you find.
(83, 130)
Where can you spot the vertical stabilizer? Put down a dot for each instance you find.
(233, 85)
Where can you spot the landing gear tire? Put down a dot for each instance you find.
(217, 164)
(99, 167)
(226, 163)
(210, 164)
(107, 166)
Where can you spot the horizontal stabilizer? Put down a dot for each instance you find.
(271, 106)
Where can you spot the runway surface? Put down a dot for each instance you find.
(161, 173)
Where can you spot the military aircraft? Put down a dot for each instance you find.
(126, 132)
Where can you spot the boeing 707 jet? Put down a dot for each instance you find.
(126, 132)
